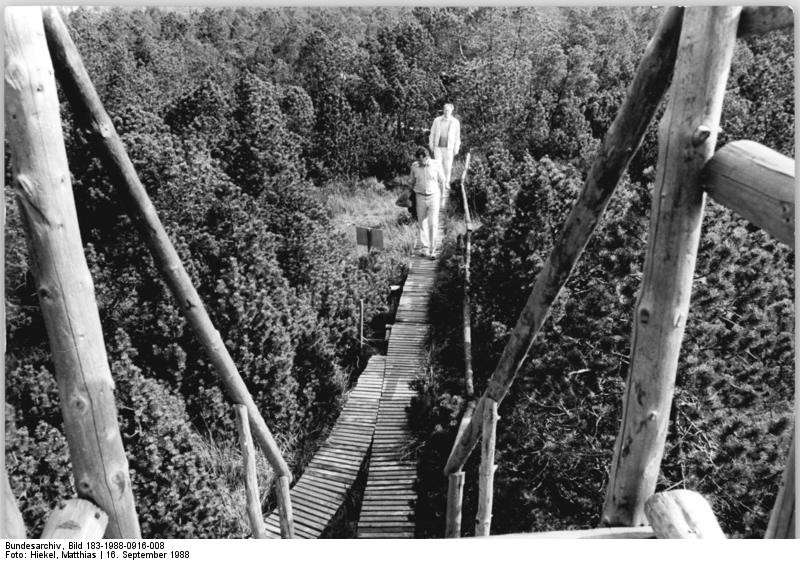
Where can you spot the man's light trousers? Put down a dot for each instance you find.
(445, 156)
(428, 219)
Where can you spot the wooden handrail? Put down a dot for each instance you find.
(618, 148)
(64, 283)
(687, 136)
(88, 108)
(620, 533)
(469, 386)
(757, 183)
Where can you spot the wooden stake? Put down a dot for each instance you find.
(285, 508)
(757, 183)
(619, 146)
(87, 107)
(682, 514)
(250, 477)
(75, 519)
(455, 496)
(783, 519)
(687, 136)
(486, 474)
(64, 285)
(12, 527)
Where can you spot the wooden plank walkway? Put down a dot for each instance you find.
(375, 414)
(321, 490)
(387, 510)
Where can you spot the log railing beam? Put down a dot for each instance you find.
(88, 108)
(687, 136)
(757, 183)
(64, 284)
(756, 20)
(618, 148)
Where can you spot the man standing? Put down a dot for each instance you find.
(445, 140)
(427, 181)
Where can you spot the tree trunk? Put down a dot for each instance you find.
(64, 285)
(87, 106)
(687, 136)
(619, 146)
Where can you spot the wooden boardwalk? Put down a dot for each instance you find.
(374, 415)
(321, 491)
(387, 510)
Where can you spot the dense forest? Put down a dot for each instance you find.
(238, 120)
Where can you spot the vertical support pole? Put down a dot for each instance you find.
(361, 325)
(487, 469)
(783, 518)
(466, 306)
(250, 477)
(455, 497)
(64, 285)
(88, 108)
(687, 136)
(285, 508)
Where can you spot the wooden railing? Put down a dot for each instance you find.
(697, 45)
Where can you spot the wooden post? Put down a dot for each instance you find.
(87, 107)
(466, 307)
(250, 477)
(361, 324)
(757, 183)
(687, 136)
(619, 146)
(285, 508)
(66, 293)
(682, 514)
(486, 473)
(455, 497)
(12, 527)
(75, 519)
(783, 519)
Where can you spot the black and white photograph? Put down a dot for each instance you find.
(396, 272)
